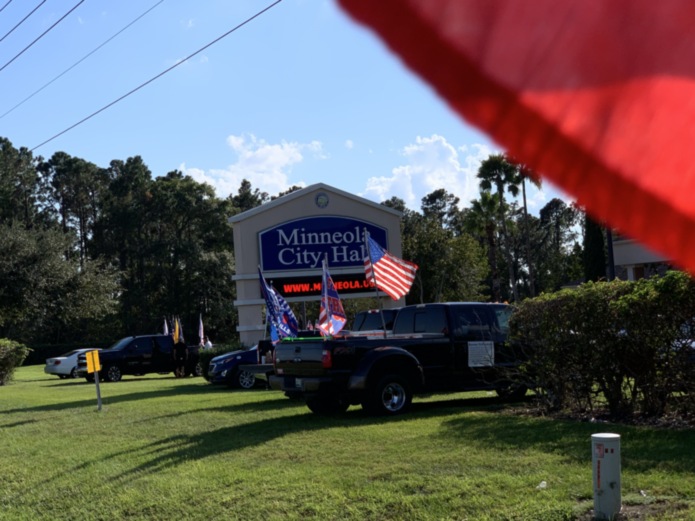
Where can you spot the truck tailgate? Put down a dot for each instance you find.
(299, 358)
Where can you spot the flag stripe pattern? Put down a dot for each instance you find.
(279, 312)
(393, 276)
(332, 316)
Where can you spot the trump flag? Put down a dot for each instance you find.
(332, 315)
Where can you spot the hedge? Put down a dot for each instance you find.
(12, 354)
(622, 346)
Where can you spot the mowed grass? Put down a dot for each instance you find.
(165, 448)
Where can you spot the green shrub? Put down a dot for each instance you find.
(623, 345)
(12, 354)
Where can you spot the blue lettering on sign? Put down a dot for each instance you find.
(301, 244)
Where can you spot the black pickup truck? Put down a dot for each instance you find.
(441, 347)
(138, 355)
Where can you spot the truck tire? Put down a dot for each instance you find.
(112, 373)
(244, 380)
(391, 395)
(327, 405)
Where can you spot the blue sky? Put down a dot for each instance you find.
(297, 96)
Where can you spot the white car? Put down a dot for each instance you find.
(64, 366)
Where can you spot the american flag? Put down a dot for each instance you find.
(332, 315)
(392, 275)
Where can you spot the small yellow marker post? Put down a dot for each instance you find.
(94, 366)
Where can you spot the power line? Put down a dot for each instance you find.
(22, 20)
(42, 35)
(79, 61)
(3, 7)
(102, 109)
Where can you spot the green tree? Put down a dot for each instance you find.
(498, 172)
(442, 207)
(248, 197)
(527, 174)
(121, 235)
(594, 258)
(44, 296)
(21, 187)
(481, 219)
(77, 188)
(560, 255)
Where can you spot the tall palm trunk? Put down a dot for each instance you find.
(527, 243)
(507, 243)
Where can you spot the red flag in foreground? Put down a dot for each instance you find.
(597, 96)
(392, 275)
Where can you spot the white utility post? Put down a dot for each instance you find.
(605, 450)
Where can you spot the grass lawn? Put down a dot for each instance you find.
(169, 449)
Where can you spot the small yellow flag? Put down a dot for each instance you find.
(93, 364)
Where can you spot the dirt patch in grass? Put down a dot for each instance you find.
(660, 509)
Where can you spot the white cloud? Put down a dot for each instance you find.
(431, 163)
(266, 165)
(349, 144)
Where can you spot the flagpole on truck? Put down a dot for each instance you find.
(376, 289)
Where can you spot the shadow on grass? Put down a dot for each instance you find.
(192, 388)
(642, 448)
(178, 449)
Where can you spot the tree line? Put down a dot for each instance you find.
(93, 253)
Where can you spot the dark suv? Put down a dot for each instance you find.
(139, 355)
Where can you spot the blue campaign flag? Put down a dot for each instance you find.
(278, 311)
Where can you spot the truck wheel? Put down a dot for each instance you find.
(327, 405)
(391, 395)
(113, 373)
(244, 380)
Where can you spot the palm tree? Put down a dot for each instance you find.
(481, 219)
(499, 172)
(527, 174)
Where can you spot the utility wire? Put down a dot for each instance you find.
(22, 20)
(102, 109)
(3, 7)
(79, 61)
(42, 35)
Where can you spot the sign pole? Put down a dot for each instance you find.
(94, 366)
(96, 382)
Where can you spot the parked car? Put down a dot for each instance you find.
(64, 366)
(139, 355)
(248, 368)
(224, 369)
